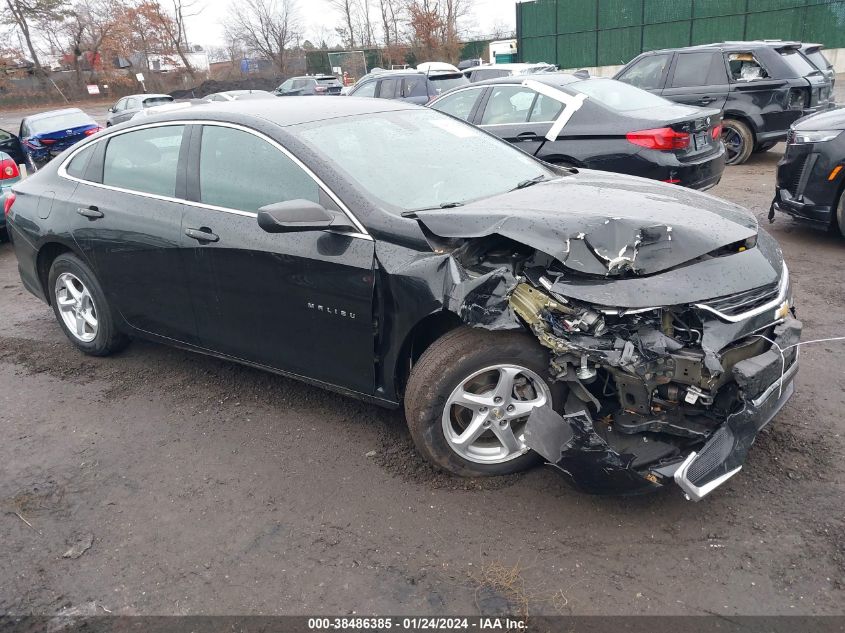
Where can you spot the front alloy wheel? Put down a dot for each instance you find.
(484, 417)
(76, 307)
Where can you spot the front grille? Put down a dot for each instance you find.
(795, 183)
(711, 457)
(741, 302)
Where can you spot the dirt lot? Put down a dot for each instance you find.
(208, 488)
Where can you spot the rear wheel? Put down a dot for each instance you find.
(739, 141)
(81, 307)
(469, 397)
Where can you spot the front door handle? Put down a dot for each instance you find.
(92, 212)
(705, 100)
(526, 135)
(202, 235)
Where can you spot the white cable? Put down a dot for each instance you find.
(783, 349)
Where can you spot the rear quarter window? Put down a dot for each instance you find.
(77, 165)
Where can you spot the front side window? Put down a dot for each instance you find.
(389, 88)
(452, 162)
(120, 105)
(699, 69)
(286, 86)
(365, 90)
(144, 160)
(508, 105)
(459, 104)
(239, 170)
(647, 73)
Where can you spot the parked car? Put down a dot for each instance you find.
(814, 53)
(127, 107)
(617, 128)
(48, 134)
(491, 293)
(409, 85)
(314, 85)
(811, 174)
(9, 175)
(761, 87)
(497, 71)
(238, 95)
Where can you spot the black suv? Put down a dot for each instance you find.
(762, 87)
(309, 85)
(414, 86)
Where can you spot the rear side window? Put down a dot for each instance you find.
(508, 105)
(798, 63)
(699, 69)
(647, 73)
(79, 163)
(745, 67)
(239, 170)
(145, 160)
(415, 87)
(459, 104)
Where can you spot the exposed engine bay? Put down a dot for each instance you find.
(672, 365)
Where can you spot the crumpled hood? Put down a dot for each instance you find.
(604, 224)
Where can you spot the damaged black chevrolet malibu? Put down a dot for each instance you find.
(631, 333)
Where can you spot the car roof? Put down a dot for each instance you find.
(513, 66)
(52, 113)
(292, 110)
(732, 45)
(146, 95)
(551, 79)
(314, 77)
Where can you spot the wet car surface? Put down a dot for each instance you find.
(446, 265)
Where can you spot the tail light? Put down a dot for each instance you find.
(716, 132)
(799, 98)
(47, 141)
(10, 200)
(663, 138)
(320, 89)
(93, 130)
(8, 169)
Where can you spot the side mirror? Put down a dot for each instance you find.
(299, 215)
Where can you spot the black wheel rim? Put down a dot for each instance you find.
(733, 144)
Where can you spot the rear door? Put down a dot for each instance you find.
(297, 302)
(127, 219)
(699, 79)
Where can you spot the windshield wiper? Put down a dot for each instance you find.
(529, 182)
(446, 205)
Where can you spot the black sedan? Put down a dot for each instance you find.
(811, 174)
(623, 329)
(609, 125)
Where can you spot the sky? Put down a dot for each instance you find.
(205, 28)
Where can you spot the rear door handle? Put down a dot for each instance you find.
(706, 100)
(92, 212)
(201, 235)
(526, 135)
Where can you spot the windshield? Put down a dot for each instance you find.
(59, 123)
(798, 63)
(618, 95)
(420, 159)
(447, 82)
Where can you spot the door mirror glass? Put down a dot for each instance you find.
(295, 216)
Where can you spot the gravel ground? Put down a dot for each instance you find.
(204, 487)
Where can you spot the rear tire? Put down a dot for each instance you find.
(739, 141)
(81, 307)
(472, 366)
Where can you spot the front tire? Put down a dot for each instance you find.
(840, 213)
(739, 141)
(81, 307)
(469, 396)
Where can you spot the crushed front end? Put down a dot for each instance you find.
(649, 401)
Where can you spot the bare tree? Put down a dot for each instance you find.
(264, 26)
(349, 14)
(25, 13)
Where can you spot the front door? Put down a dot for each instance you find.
(128, 222)
(519, 115)
(298, 302)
